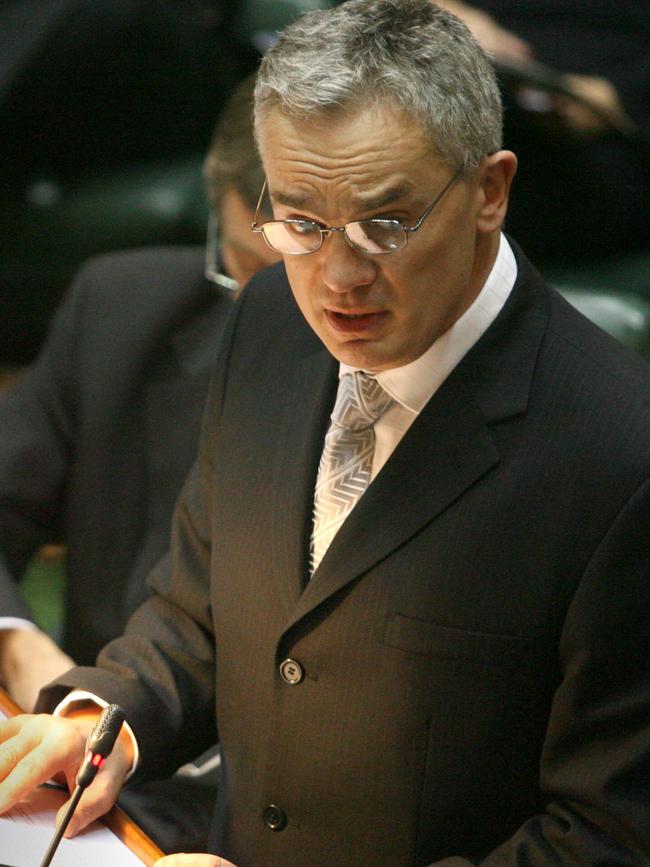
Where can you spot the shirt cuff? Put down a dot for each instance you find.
(78, 695)
(17, 623)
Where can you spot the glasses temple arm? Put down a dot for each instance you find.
(451, 180)
(254, 225)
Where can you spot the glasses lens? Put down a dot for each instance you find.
(376, 236)
(292, 236)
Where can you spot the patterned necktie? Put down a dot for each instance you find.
(346, 462)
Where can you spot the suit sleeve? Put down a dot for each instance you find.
(37, 423)
(595, 765)
(162, 670)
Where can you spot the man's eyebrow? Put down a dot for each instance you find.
(373, 202)
(291, 200)
(361, 202)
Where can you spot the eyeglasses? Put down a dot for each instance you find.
(212, 271)
(376, 236)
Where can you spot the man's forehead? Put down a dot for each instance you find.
(353, 138)
(365, 159)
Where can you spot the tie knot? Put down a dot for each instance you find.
(360, 401)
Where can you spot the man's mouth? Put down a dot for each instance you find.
(355, 322)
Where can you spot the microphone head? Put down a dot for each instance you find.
(107, 728)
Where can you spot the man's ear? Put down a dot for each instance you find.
(495, 179)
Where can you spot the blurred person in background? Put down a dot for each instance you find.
(98, 434)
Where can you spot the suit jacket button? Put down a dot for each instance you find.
(274, 817)
(291, 671)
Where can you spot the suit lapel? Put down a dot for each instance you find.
(301, 430)
(430, 468)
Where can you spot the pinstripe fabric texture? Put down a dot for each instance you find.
(346, 461)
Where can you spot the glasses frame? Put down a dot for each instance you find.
(327, 230)
(211, 270)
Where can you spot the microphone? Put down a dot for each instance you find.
(98, 747)
(100, 743)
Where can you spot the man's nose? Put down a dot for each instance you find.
(344, 267)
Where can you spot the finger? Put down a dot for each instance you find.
(16, 752)
(516, 47)
(96, 801)
(100, 796)
(9, 727)
(13, 745)
(17, 726)
(41, 747)
(30, 770)
(11, 752)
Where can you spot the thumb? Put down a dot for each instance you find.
(96, 800)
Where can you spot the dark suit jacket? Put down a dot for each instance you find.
(475, 642)
(98, 435)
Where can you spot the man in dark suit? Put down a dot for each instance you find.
(99, 433)
(424, 637)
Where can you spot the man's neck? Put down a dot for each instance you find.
(486, 252)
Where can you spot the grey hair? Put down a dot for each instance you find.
(406, 53)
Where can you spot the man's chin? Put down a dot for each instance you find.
(365, 354)
(371, 353)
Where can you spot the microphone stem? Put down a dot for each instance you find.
(61, 826)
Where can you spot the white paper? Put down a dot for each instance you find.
(26, 831)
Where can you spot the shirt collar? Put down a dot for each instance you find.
(415, 383)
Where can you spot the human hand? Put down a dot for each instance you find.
(182, 860)
(601, 94)
(36, 748)
(495, 40)
(29, 659)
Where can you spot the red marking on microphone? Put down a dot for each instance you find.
(97, 761)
